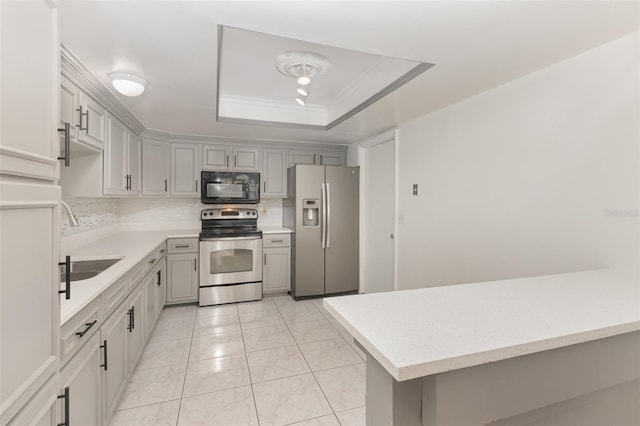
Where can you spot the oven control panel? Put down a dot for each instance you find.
(236, 213)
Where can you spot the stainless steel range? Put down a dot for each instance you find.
(230, 256)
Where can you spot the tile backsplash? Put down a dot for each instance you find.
(93, 213)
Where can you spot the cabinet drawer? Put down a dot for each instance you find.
(79, 329)
(276, 240)
(152, 259)
(183, 245)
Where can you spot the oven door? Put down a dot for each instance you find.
(230, 260)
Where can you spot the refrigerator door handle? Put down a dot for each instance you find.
(327, 238)
(323, 225)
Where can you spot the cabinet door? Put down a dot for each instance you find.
(246, 159)
(185, 169)
(332, 158)
(115, 159)
(215, 157)
(276, 270)
(150, 303)
(69, 103)
(133, 151)
(29, 88)
(114, 361)
(274, 173)
(155, 167)
(94, 123)
(29, 282)
(135, 326)
(162, 285)
(182, 274)
(302, 157)
(82, 376)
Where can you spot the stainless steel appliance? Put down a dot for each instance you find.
(230, 188)
(230, 256)
(322, 208)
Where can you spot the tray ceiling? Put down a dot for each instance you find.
(353, 81)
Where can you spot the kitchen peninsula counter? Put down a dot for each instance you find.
(421, 338)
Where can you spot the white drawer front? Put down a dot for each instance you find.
(79, 329)
(276, 240)
(182, 245)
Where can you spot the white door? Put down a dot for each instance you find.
(379, 208)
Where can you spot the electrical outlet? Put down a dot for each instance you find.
(415, 189)
(401, 219)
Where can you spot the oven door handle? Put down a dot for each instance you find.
(230, 238)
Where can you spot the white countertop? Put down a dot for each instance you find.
(274, 230)
(132, 246)
(415, 333)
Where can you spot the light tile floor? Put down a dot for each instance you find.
(272, 362)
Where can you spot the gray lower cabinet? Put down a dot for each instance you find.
(276, 263)
(182, 273)
(135, 327)
(81, 376)
(154, 299)
(115, 370)
(182, 270)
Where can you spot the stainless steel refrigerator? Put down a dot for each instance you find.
(322, 209)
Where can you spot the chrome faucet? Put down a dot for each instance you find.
(72, 217)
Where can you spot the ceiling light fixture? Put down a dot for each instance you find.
(128, 84)
(303, 66)
(301, 99)
(303, 90)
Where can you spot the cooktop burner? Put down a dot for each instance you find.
(229, 223)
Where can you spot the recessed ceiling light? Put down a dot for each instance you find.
(128, 84)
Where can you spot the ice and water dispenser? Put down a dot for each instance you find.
(310, 208)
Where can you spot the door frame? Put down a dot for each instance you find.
(390, 135)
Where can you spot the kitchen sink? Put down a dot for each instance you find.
(84, 269)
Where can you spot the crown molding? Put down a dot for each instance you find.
(73, 69)
(219, 140)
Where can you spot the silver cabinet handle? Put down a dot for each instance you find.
(165, 185)
(86, 115)
(227, 162)
(195, 264)
(182, 246)
(276, 241)
(67, 144)
(264, 186)
(196, 185)
(235, 161)
(265, 259)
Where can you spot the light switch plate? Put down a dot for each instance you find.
(415, 189)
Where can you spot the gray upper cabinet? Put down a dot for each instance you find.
(332, 158)
(215, 157)
(323, 158)
(232, 158)
(185, 169)
(156, 163)
(246, 159)
(274, 173)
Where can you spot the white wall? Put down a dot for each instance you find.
(537, 176)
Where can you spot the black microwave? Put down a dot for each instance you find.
(229, 188)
